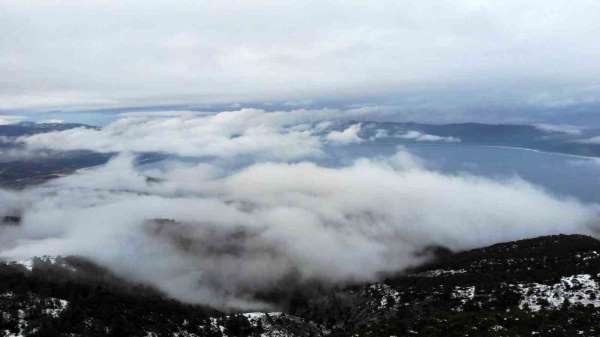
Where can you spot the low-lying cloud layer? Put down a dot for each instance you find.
(423, 137)
(247, 132)
(277, 135)
(206, 233)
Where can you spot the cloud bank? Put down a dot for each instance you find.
(347, 136)
(246, 132)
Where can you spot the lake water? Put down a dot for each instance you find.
(560, 174)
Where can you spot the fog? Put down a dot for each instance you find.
(218, 230)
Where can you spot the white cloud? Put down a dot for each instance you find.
(285, 135)
(346, 136)
(52, 121)
(226, 134)
(560, 128)
(591, 140)
(7, 119)
(380, 133)
(424, 137)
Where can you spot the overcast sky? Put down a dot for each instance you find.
(453, 56)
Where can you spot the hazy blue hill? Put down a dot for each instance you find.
(514, 135)
(29, 128)
(17, 171)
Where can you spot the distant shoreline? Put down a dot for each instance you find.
(541, 151)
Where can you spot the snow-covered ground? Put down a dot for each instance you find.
(51, 306)
(577, 289)
(29, 263)
(56, 307)
(385, 294)
(463, 294)
(438, 273)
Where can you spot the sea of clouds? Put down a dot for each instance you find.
(244, 204)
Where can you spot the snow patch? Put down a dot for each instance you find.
(464, 295)
(576, 289)
(57, 307)
(439, 272)
(385, 294)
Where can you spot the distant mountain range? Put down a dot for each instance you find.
(17, 171)
(30, 128)
(538, 137)
(546, 286)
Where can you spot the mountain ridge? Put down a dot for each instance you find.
(547, 284)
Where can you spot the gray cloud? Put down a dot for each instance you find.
(424, 137)
(99, 54)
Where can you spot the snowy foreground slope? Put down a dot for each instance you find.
(548, 286)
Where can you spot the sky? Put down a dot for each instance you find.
(415, 60)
